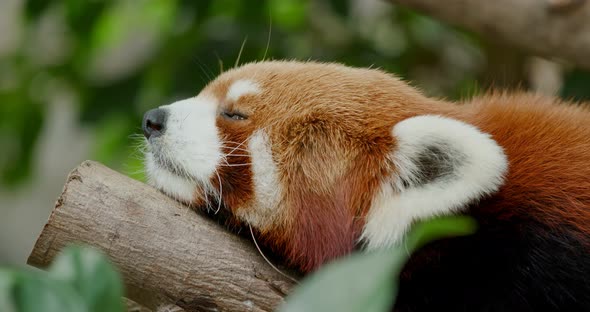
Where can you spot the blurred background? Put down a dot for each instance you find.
(76, 76)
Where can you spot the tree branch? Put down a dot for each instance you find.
(166, 253)
(549, 28)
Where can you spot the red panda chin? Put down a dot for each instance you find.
(323, 157)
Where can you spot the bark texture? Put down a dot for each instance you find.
(167, 253)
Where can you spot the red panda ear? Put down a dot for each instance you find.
(442, 165)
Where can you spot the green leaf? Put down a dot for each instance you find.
(368, 281)
(448, 226)
(91, 274)
(361, 282)
(7, 281)
(28, 291)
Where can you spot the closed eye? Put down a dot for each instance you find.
(234, 116)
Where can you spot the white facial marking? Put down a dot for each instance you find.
(242, 87)
(267, 188)
(176, 187)
(186, 155)
(478, 167)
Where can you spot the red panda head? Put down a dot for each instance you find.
(318, 157)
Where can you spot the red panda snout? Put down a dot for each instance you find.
(181, 159)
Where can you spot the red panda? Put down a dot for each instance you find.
(322, 159)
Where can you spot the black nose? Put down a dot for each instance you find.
(154, 122)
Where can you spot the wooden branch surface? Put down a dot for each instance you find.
(166, 252)
(550, 28)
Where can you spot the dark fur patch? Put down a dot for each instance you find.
(508, 265)
(437, 161)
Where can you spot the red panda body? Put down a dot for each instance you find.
(532, 249)
(320, 159)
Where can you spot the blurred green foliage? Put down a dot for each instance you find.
(118, 58)
(81, 279)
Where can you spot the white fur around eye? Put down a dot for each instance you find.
(242, 87)
(478, 169)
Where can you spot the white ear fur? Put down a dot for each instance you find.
(442, 165)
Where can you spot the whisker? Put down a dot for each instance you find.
(207, 72)
(220, 62)
(240, 53)
(230, 142)
(267, 261)
(234, 142)
(205, 81)
(220, 192)
(269, 35)
(238, 149)
(240, 144)
(185, 118)
(208, 205)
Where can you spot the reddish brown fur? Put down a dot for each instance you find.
(330, 128)
(548, 146)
